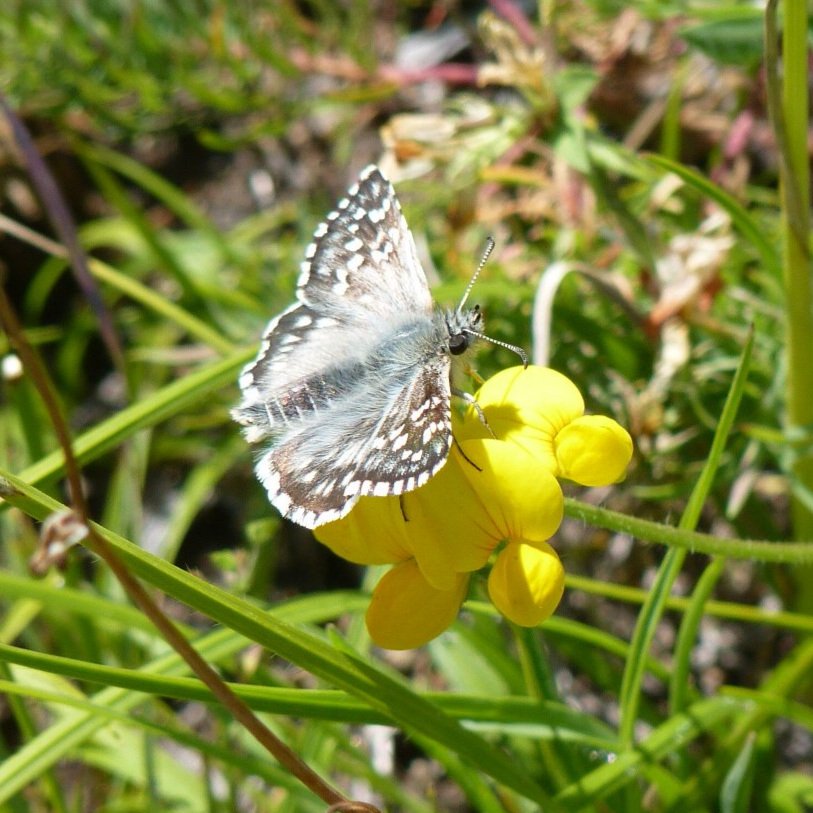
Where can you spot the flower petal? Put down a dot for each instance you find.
(593, 450)
(487, 492)
(526, 582)
(520, 497)
(446, 530)
(406, 611)
(526, 407)
(371, 534)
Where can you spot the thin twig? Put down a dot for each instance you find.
(60, 217)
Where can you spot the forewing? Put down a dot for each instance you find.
(380, 441)
(363, 256)
(361, 271)
(298, 369)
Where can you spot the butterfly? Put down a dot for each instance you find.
(350, 393)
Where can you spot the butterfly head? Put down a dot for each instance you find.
(463, 327)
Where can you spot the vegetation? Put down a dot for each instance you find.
(643, 169)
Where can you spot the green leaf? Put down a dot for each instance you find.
(627, 767)
(735, 795)
(733, 41)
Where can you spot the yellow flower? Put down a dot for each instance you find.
(495, 492)
(406, 611)
(541, 411)
(593, 450)
(526, 582)
(372, 535)
(494, 488)
(437, 535)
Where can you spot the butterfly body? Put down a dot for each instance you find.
(350, 392)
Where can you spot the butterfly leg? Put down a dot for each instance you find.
(470, 400)
(465, 456)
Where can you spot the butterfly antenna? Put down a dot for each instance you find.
(512, 347)
(483, 260)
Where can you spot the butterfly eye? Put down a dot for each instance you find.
(458, 343)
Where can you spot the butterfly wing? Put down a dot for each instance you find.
(360, 272)
(384, 437)
(350, 388)
(363, 260)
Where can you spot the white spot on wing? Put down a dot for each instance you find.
(246, 382)
(355, 262)
(282, 502)
(418, 411)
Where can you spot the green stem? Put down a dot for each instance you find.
(655, 604)
(796, 227)
(790, 113)
(798, 553)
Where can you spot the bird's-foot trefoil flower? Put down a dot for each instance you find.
(497, 500)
